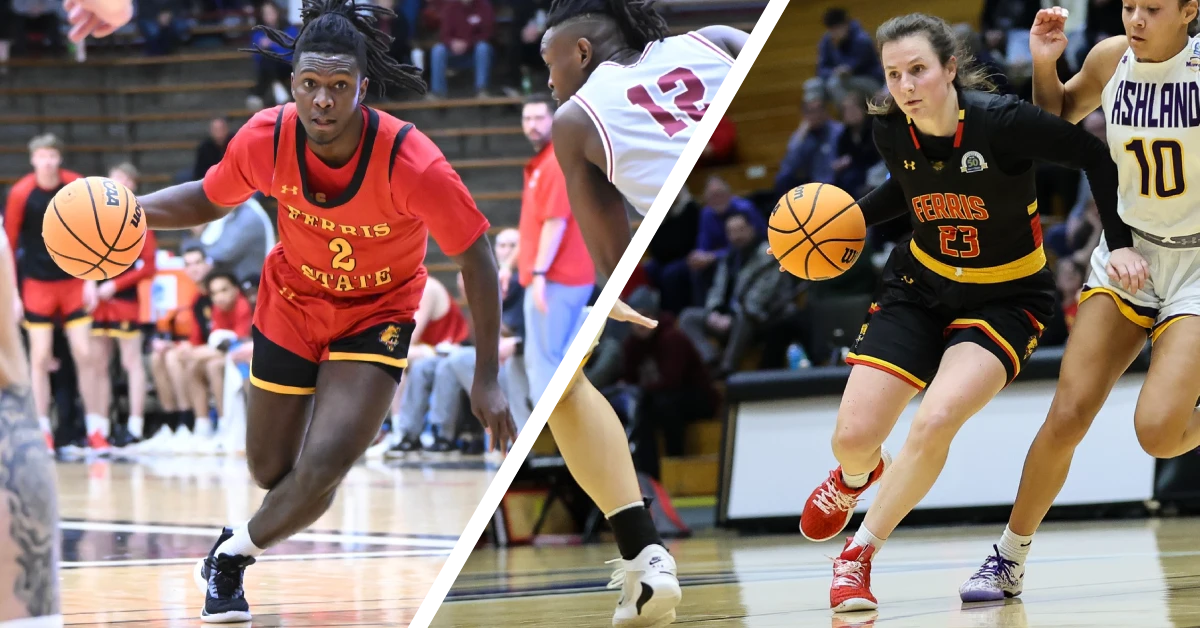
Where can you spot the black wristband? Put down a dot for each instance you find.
(539, 273)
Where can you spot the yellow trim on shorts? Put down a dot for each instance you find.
(37, 325)
(986, 327)
(1123, 305)
(280, 388)
(79, 322)
(1011, 271)
(1165, 324)
(104, 332)
(368, 357)
(887, 367)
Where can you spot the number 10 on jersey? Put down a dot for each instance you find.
(689, 102)
(1162, 168)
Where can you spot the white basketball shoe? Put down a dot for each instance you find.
(649, 589)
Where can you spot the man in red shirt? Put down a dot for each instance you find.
(553, 263)
(360, 192)
(232, 319)
(117, 319)
(51, 296)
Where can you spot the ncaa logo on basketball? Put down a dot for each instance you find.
(112, 196)
(973, 162)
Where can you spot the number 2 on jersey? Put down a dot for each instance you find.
(688, 101)
(968, 235)
(1168, 164)
(341, 254)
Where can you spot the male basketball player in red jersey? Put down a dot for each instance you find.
(116, 321)
(51, 296)
(359, 194)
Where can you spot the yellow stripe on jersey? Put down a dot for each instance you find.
(1011, 271)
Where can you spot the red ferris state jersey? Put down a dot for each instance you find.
(360, 229)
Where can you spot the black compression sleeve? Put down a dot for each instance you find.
(884, 203)
(1025, 131)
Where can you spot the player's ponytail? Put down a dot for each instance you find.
(637, 20)
(344, 27)
(945, 44)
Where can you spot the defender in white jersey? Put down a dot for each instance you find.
(631, 98)
(1148, 85)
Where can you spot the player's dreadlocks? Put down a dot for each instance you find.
(341, 27)
(640, 24)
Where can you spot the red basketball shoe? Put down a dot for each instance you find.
(830, 507)
(851, 590)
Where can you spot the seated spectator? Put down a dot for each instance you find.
(163, 25)
(440, 329)
(748, 295)
(231, 319)
(846, 60)
(528, 24)
(711, 242)
(231, 429)
(984, 59)
(400, 28)
(466, 28)
(239, 242)
(1103, 21)
(1081, 232)
(856, 152)
(210, 151)
(811, 150)
(35, 17)
(674, 387)
(514, 376)
(273, 77)
(667, 267)
(170, 357)
(1006, 27)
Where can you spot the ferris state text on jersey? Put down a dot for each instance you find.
(344, 274)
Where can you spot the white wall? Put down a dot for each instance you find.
(782, 452)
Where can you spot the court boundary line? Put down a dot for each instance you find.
(389, 535)
(590, 329)
(311, 537)
(153, 562)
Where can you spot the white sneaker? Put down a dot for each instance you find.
(157, 443)
(183, 442)
(376, 451)
(649, 589)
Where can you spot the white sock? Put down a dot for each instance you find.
(863, 538)
(858, 480)
(44, 424)
(135, 425)
(614, 511)
(239, 544)
(1013, 546)
(96, 423)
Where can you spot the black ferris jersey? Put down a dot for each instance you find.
(972, 198)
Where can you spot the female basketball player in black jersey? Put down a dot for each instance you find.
(964, 301)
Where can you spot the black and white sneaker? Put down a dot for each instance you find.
(408, 446)
(649, 589)
(220, 578)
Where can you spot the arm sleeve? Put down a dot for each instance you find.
(888, 200)
(246, 165)
(1045, 137)
(439, 199)
(14, 214)
(146, 270)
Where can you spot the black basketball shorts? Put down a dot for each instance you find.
(918, 314)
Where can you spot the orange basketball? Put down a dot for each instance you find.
(816, 231)
(94, 228)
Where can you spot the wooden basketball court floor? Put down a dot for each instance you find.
(132, 531)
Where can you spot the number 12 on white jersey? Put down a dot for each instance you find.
(681, 90)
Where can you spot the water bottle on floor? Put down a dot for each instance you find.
(797, 358)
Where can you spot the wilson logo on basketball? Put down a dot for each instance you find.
(137, 215)
(849, 255)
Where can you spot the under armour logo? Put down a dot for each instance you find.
(287, 293)
(290, 189)
(910, 165)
